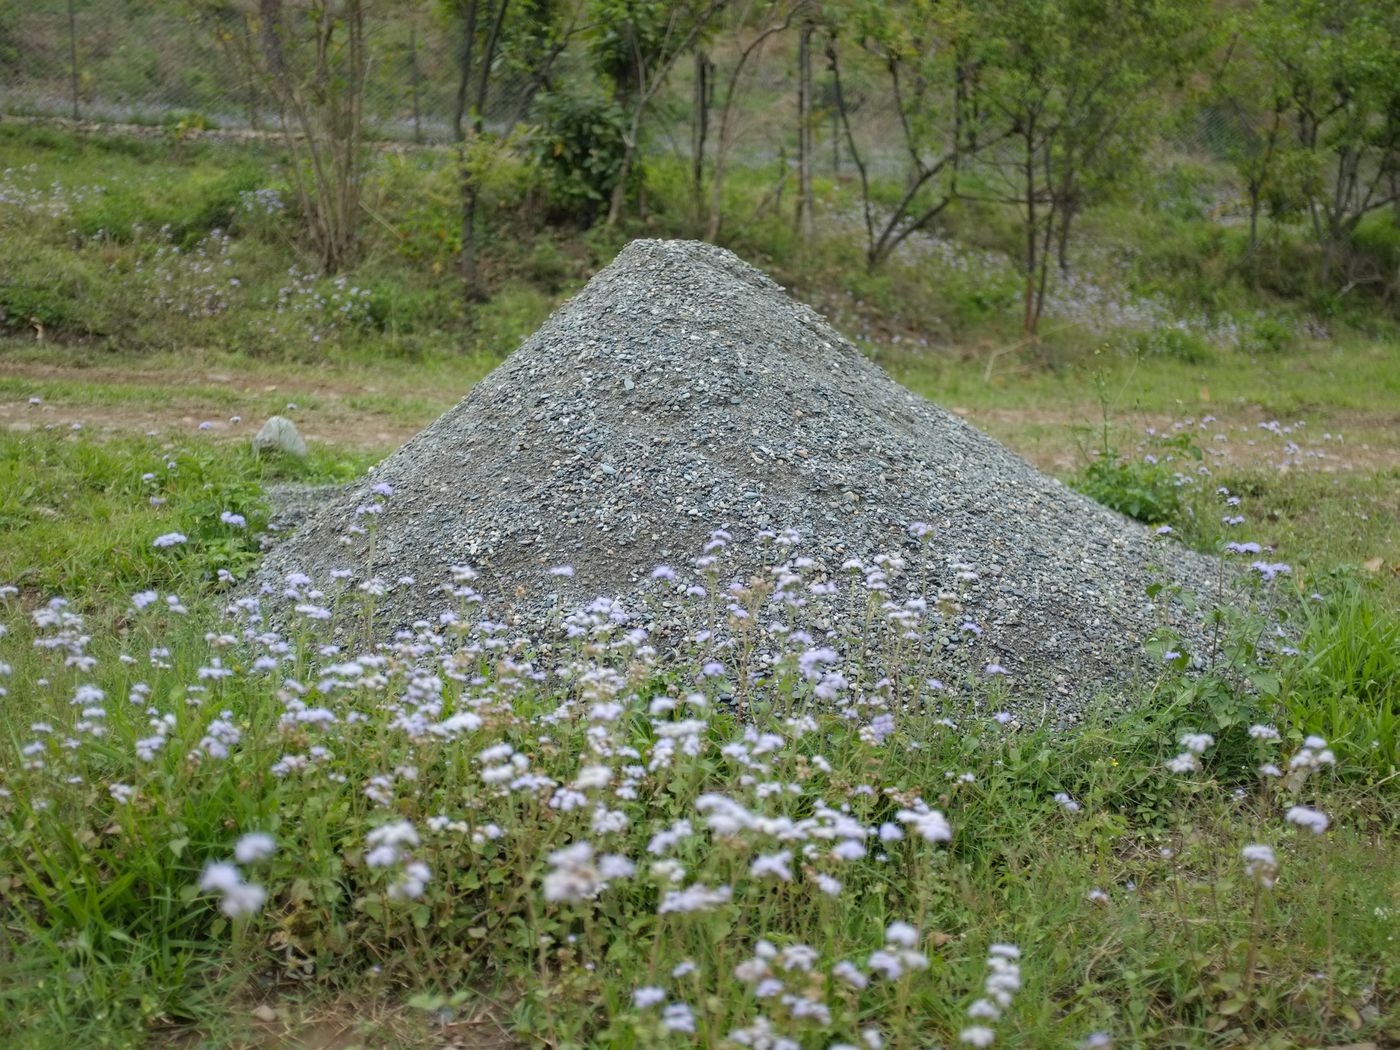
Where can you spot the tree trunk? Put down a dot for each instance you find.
(1252, 255)
(1028, 317)
(804, 138)
(459, 112)
(73, 58)
(723, 142)
(1062, 238)
(835, 142)
(413, 80)
(472, 287)
(624, 172)
(700, 127)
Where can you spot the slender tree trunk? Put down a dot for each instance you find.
(459, 112)
(252, 78)
(413, 80)
(624, 172)
(867, 209)
(835, 143)
(724, 139)
(488, 59)
(1044, 275)
(1028, 317)
(1255, 203)
(1067, 212)
(804, 138)
(700, 126)
(647, 81)
(325, 102)
(472, 287)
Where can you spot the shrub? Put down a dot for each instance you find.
(1269, 335)
(1175, 343)
(1147, 492)
(581, 148)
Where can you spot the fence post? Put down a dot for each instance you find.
(252, 74)
(413, 74)
(73, 57)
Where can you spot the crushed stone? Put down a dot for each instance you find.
(682, 391)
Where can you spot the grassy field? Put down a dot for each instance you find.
(218, 836)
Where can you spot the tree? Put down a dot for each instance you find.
(927, 56)
(1076, 85)
(1249, 88)
(468, 123)
(528, 34)
(1341, 68)
(762, 26)
(312, 58)
(636, 43)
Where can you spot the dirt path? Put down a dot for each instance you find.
(378, 411)
(360, 431)
(1060, 439)
(331, 409)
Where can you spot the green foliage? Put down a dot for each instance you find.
(1269, 335)
(45, 291)
(1315, 83)
(79, 516)
(1147, 492)
(1144, 489)
(627, 34)
(582, 145)
(1347, 686)
(1173, 343)
(207, 198)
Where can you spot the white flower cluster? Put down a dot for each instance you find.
(239, 898)
(1000, 988)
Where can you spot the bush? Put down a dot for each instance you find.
(1269, 335)
(1143, 491)
(1174, 343)
(581, 149)
(187, 209)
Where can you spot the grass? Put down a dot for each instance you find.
(209, 728)
(80, 515)
(1113, 934)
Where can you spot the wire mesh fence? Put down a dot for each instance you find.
(161, 63)
(136, 61)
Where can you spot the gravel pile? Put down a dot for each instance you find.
(683, 391)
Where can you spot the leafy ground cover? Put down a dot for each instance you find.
(221, 833)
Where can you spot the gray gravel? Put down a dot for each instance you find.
(681, 391)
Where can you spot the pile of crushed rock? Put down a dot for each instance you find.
(683, 391)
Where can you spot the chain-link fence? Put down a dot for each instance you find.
(148, 62)
(162, 63)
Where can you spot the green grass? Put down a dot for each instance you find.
(79, 516)
(1328, 379)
